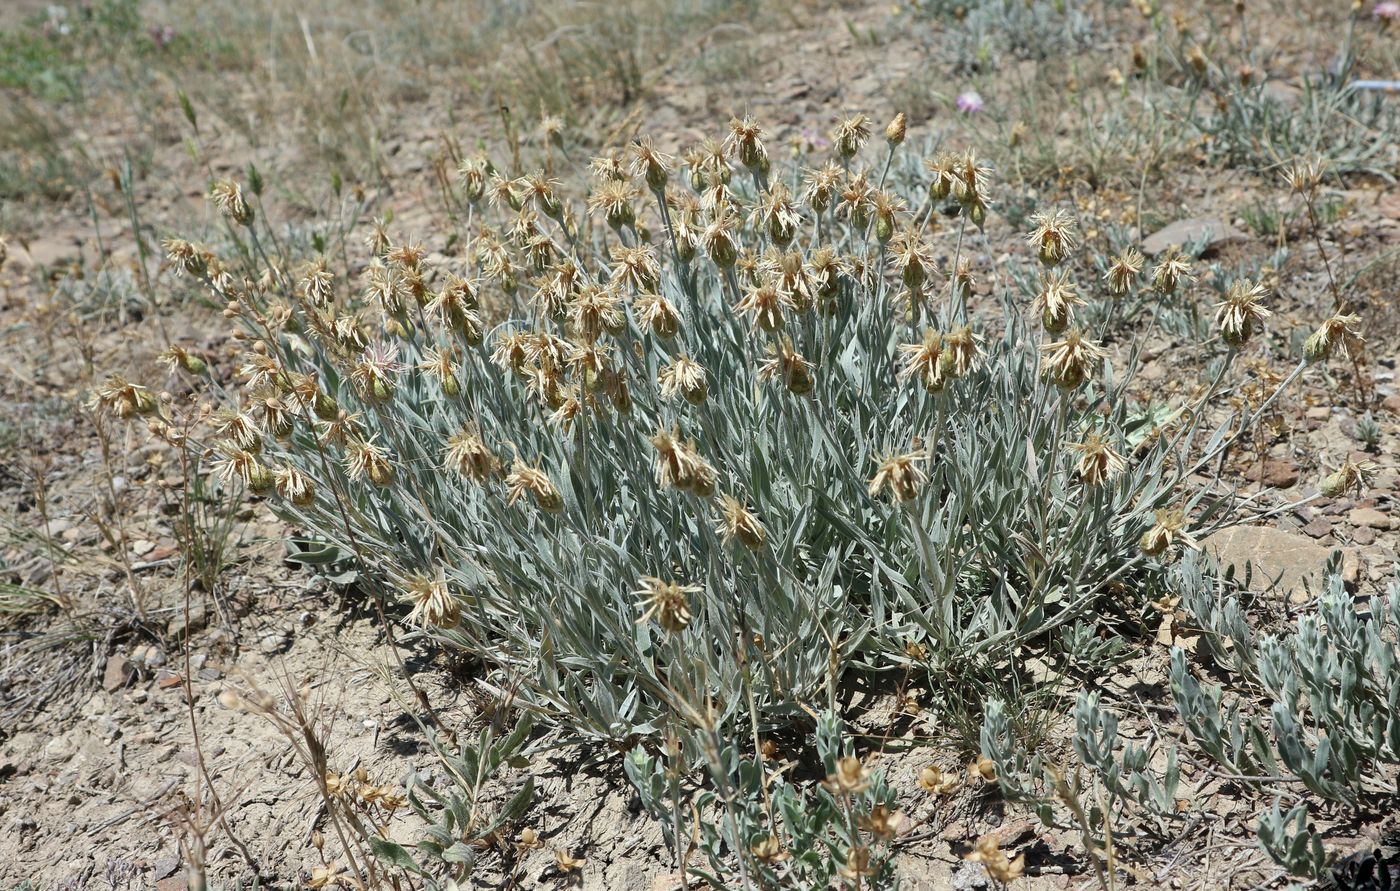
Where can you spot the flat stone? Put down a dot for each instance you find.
(1215, 232)
(1368, 516)
(1353, 565)
(1317, 527)
(1392, 404)
(177, 627)
(118, 673)
(1364, 536)
(1275, 473)
(1295, 560)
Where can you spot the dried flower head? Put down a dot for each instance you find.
(962, 350)
(765, 305)
(769, 851)
(366, 460)
(684, 377)
(614, 197)
(658, 314)
(179, 358)
(651, 164)
(1169, 529)
(881, 822)
(1123, 271)
(820, 186)
(1053, 237)
(786, 364)
(243, 466)
(1173, 269)
(849, 777)
(923, 361)
(738, 523)
(524, 479)
(1351, 476)
(901, 475)
(227, 196)
(431, 601)
(1068, 363)
(469, 456)
(123, 398)
(850, 135)
(667, 602)
(374, 374)
(776, 215)
(745, 143)
(1098, 462)
(933, 780)
(294, 486)
(896, 129)
(1341, 329)
(988, 853)
(1056, 301)
(1240, 312)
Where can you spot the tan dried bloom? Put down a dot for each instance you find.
(294, 486)
(1174, 269)
(524, 479)
(901, 475)
(737, 522)
(769, 851)
(962, 350)
(667, 602)
(858, 864)
(718, 239)
(1053, 237)
(790, 366)
(432, 602)
(933, 780)
(745, 143)
(684, 377)
(123, 398)
(440, 364)
(776, 215)
(184, 256)
(373, 374)
(1056, 301)
(1341, 329)
(469, 456)
(595, 311)
(849, 778)
(680, 465)
(896, 129)
(1068, 363)
(988, 853)
(850, 135)
(1169, 529)
(227, 196)
(1240, 312)
(1349, 477)
(567, 863)
(177, 357)
(982, 768)
(821, 185)
(764, 304)
(613, 198)
(243, 466)
(636, 267)
(882, 822)
(651, 164)
(1124, 270)
(366, 460)
(923, 361)
(1098, 462)
(658, 314)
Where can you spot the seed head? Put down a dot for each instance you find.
(1350, 477)
(901, 475)
(849, 777)
(373, 375)
(745, 143)
(923, 361)
(933, 780)
(776, 215)
(1340, 329)
(1053, 237)
(765, 305)
(988, 853)
(1098, 462)
(1069, 362)
(658, 314)
(882, 822)
(596, 311)
(366, 460)
(613, 197)
(243, 465)
(227, 196)
(718, 239)
(432, 602)
(788, 365)
(1171, 272)
(636, 267)
(850, 135)
(651, 164)
(1123, 271)
(820, 186)
(469, 456)
(524, 479)
(441, 366)
(1169, 529)
(1240, 312)
(684, 377)
(1056, 301)
(679, 465)
(667, 602)
(294, 486)
(184, 256)
(962, 351)
(177, 357)
(737, 522)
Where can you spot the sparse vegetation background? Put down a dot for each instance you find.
(678, 445)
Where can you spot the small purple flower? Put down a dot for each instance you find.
(162, 35)
(970, 102)
(1386, 10)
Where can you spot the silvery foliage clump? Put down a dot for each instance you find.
(997, 543)
(984, 32)
(1333, 722)
(818, 832)
(1126, 771)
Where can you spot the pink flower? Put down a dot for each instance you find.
(969, 102)
(1387, 10)
(161, 36)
